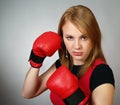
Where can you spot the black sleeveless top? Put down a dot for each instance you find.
(102, 74)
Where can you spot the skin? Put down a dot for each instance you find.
(79, 46)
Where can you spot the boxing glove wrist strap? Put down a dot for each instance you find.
(75, 98)
(36, 58)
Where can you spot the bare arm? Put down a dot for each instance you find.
(34, 84)
(103, 95)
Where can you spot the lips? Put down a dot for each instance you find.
(77, 53)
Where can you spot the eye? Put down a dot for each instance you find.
(69, 37)
(84, 37)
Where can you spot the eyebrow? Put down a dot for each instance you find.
(73, 35)
(68, 34)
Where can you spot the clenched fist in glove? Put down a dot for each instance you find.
(65, 84)
(45, 45)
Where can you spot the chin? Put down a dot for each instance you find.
(78, 59)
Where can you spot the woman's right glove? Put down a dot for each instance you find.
(45, 45)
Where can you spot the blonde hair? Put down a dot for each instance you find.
(82, 16)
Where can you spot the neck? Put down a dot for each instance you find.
(77, 62)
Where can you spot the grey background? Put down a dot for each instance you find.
(21, 21)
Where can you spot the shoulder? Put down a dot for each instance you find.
(101, 74)
(103, 94)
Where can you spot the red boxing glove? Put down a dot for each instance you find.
(45, 45)
(65, 84)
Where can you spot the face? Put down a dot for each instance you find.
(77, 44)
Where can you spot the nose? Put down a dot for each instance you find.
(77, 44)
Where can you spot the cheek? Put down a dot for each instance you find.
(68, 45)
(89, 48)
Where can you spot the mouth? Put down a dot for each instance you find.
(77, 53)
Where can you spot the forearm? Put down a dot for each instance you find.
(31, 83)
(35, 84)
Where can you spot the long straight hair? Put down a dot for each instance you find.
(83, 18)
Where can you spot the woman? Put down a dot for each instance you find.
(81, 75)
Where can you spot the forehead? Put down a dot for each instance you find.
(72, 29)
